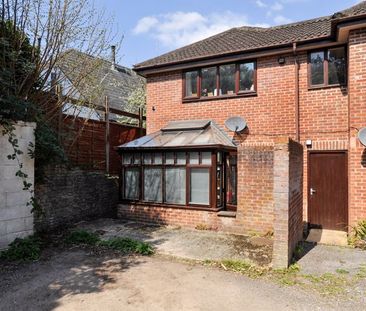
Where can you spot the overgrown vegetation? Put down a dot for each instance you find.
(126, 245)
(327, 284)
(358, 235)
(34, 36)
(27, 249)
(30, 248)
(123, 245)
(82, 237)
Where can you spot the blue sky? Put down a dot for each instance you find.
(153, 27)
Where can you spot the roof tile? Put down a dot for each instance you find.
(243, 39)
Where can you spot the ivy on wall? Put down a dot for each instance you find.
(17, 85)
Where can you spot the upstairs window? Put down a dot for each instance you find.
(224, 80)
(246, 77)
(191, 85)
(327, 67)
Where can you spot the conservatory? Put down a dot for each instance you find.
(187, 164)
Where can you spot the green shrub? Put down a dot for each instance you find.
(27, 249)
(360, 230)
(127, 245)
(358, 236)
(82, 237)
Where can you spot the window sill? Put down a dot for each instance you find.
(202, 99)
(320, 87)
(187, 207)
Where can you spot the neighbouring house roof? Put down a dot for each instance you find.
(245, 39)
(94, 78)
(183, 134)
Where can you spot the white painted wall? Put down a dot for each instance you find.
(16, 219)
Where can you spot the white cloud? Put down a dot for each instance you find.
(277, 6)
(181, 28)
(145, 24)
(280, 19)
(260, 4)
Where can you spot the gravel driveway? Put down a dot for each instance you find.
(81, 279)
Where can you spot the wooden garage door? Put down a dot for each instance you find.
(328, 190)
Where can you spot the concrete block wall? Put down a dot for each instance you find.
(67, 196)
(16, 219)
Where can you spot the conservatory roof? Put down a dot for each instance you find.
(183, 134)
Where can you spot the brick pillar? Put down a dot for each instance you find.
(287, 193)
(357, 115)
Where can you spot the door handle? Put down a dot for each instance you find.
(312, 191)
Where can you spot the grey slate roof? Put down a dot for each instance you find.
(94, 79)
(182, 134)
(244, 39)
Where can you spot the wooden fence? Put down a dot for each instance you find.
(90, 143)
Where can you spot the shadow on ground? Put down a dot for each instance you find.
(188, 243)
(63, 273)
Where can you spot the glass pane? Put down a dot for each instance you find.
(246, 77)
(219, 182)
(208, 83)
(158, 158)
(336, 66)
(131, 183)
(317, 68)
(191, 83)
(206, 158)
(231, 196)
(169, 158)
(231, 180)
(147, 158)
(127, 158)
(227, 79)
(152, 184)
(193, 158)
(136, 158)
(200, 186)
(219, 157)
(175, 185)
(181, 158)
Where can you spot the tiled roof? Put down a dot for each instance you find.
(94, 78)
(243, 39)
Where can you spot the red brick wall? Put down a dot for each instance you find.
(357, 152)
(326, 115)
(255, 199)
(323, 112)
(295, 222)
(255, 187)
(323, 119)
(271, 112)
(287, 192)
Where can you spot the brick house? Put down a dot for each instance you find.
(300, 89)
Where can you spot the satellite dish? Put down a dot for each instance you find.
(236, 124)
(362, 136)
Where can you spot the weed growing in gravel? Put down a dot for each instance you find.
(126, 245)
(342, 271)
(82, 237)
(27, 249)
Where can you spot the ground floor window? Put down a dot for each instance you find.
(189, 178)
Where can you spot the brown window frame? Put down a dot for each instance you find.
(325, 67)
(238, 92)
(212, 167)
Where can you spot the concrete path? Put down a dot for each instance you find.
(81, 280)
(186, 243)
(320, 259)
